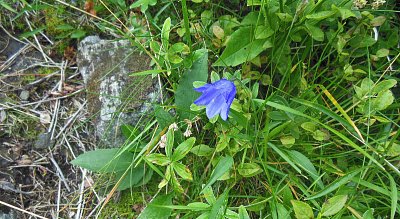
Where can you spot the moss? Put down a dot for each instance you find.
(125, 207)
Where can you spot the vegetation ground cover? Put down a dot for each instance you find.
(313, 131)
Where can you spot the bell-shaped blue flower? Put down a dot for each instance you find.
(217, 97)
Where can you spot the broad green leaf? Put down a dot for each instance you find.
(382, 53)
(135, 176)
(214, 76)
(222, 143)
(369, 214)
(104, 160)
(159, 159)
(333, 205)
(287, 140)
(218, 208)
(383, 100)
(320, 15)
(378, 21)
(384, 85)
(176, 184)
(285, 17)
(249, 169)
(241, 47)
(360, 41)
(155, 208)
(302, 210)
(182, 171)
(165, 33)
(185, 95)
(243, 213)
(320, 135)
(209, 195)
(334, 185)
(309, 126)
(223, 166)
(202, 150)
(183, 149)
(163, 117)
(144, 4)
(344, 12)
(263, 32)
(315, 32)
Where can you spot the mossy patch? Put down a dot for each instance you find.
(126, 207)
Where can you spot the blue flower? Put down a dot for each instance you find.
(217, 97)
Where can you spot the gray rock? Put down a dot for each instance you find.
(10, 215)
(114, 97)
(43, 140)
(24, 95)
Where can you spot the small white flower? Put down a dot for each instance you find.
(187, 133)
(173, 126)
(163, 141)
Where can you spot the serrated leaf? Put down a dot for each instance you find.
(104, 160)
(185, 95)
(241, 47)
(302, 210)
(333, 205)
(182, 171)
(249, 169)
(183, 149)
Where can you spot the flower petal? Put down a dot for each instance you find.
(224, 111)
(206, 98)
(203, 88)
(215, 106)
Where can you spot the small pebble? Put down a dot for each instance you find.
(24, 95)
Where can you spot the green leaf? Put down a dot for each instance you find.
(155, 208)
(182, 171)
(202, 150)
(393, 196)
(309, 126)
(77, 34)
(240, 48)
(249, 169)
(382, 53)
(159, 159)
(263, 32)
(185, 95)
(164, 32)
(320, 135)
(243, 213)
(175, 184)
(287, 140)
(7, 6)
(104, 160)
(333, 205)
(304, 163)
(315, 32)
(31, 33)
(334, 185)
(222, 143)
(223, 166)
(144, 4)
(378, 21)
(384, 85)
(198, 206)
(183, 149)
(320, 15)
(218, 208)
(170, 142)
(383, 100)
(285, 17)
(134, 177)
(163, 117)
(302, 210)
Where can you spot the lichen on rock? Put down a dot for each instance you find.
(114, 97)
